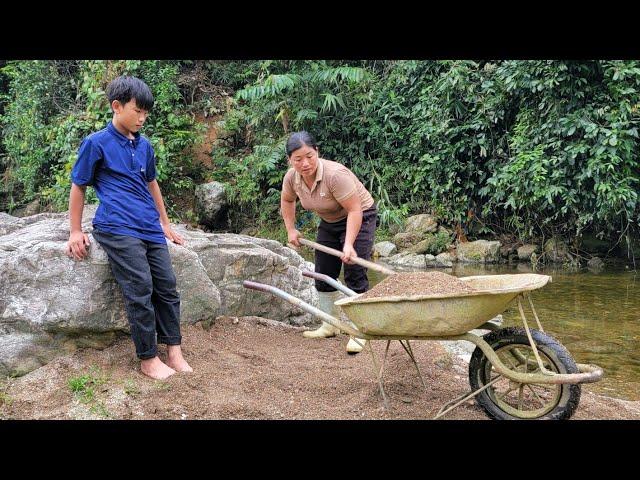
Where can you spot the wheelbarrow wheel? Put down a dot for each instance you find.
(509, 400)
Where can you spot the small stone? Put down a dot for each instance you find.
(525, 251)
(384, 249)
(235, 320)
(595, 263)
(211, 204)
(444, 361)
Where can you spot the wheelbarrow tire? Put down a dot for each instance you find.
(479, 370)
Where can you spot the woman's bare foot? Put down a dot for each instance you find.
(176, 360)
(155, 368)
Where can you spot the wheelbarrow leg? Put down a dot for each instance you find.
(377, 372)
(384, 360)
(409, 351)
(447, 407)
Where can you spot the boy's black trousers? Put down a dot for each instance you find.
(144, 272)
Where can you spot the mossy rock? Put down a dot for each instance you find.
(433, 243)
(421, 224)
(404, 240)
(557, 251)
(480, 251)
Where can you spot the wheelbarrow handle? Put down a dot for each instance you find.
(329, 281)
(335, 322)
(338, 253)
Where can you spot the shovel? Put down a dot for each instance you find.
(338, 253)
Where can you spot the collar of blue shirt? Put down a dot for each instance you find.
(121, 138)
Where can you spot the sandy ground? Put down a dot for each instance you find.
(252, 368)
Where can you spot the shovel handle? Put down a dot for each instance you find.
(338, 253)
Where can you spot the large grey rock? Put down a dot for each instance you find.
(421, 224)
(384, 249)
(48, 300)
(9, 223)
(439, 261)
(525, 251)
(211, 204)
(480, 251)
(422, 247)
(430, 261)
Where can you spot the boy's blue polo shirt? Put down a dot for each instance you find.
(119, 169)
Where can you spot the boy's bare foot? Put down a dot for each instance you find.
(176, 360)
(155, 368)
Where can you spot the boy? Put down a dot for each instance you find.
(131, 224)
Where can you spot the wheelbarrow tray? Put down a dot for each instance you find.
(439, 315)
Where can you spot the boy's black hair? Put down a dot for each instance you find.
(125, 88)
(298, 140)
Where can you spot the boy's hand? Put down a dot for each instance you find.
(76, 245)
(171, 235)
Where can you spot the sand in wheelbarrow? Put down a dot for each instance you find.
(417, 283)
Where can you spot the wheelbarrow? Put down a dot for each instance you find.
(514, 372)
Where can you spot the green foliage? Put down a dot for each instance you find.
(232, 73)
(286, 96)
(131, 388)
(53, 105)
(532, 148)
(5, 398)
(84, 386)
(527, 147)
(36, 90)
(573, 144)
(439, 242)
(306, 225)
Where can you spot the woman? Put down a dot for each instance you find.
(348, 221)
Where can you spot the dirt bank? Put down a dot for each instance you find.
(251, 368)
